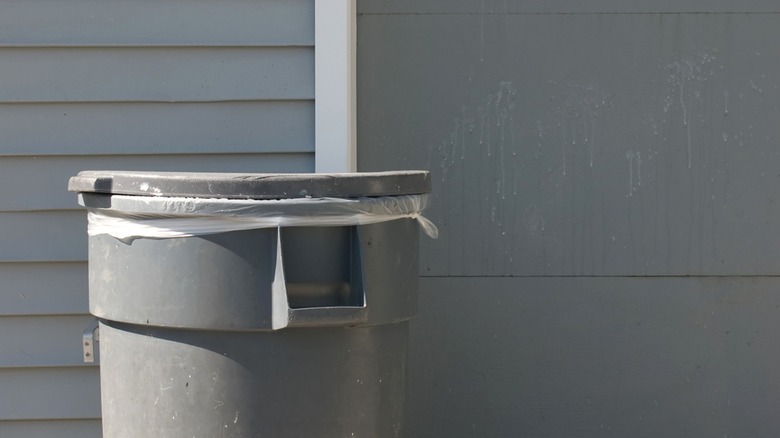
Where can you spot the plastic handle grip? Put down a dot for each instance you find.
(283, 315)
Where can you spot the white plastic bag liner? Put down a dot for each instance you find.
(131, 217)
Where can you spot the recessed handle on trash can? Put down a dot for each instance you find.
(283, 315)
(88, 338)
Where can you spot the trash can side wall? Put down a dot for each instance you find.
(224, 281)
(331, 382)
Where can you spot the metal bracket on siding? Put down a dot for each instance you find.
(88, 338)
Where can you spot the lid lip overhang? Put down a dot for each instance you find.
(251, 185)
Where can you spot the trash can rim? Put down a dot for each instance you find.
(251, 185)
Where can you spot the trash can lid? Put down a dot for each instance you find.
(251, 185)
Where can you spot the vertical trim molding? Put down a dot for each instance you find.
(335, 23)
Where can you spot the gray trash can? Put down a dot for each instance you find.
(249, 305)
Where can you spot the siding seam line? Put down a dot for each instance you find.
(681, 276)
(558, 13)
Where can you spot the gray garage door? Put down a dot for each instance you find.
(606, 185)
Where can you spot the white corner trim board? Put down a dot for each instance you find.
(334, 85)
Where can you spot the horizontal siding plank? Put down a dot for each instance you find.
(564, 6)
(43, 289)
(86, 22)
(43, 236)
(51, 429)
(156, 128)
(164, 74)
(41, 181)
(49, 393)
(42, 341)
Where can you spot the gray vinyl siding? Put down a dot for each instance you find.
(163, 128)
(42, 288)
(563, 7)
(61, 428)
(605, 186)
(195, 85)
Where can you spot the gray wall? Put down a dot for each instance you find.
(606, 185)
(123, 84)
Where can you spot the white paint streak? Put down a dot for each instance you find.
(685, 77)
(481, 161)
(565, 142)
(630, 159)
(634, 160)
(579, 114)
(482, 34)
(639, 168)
